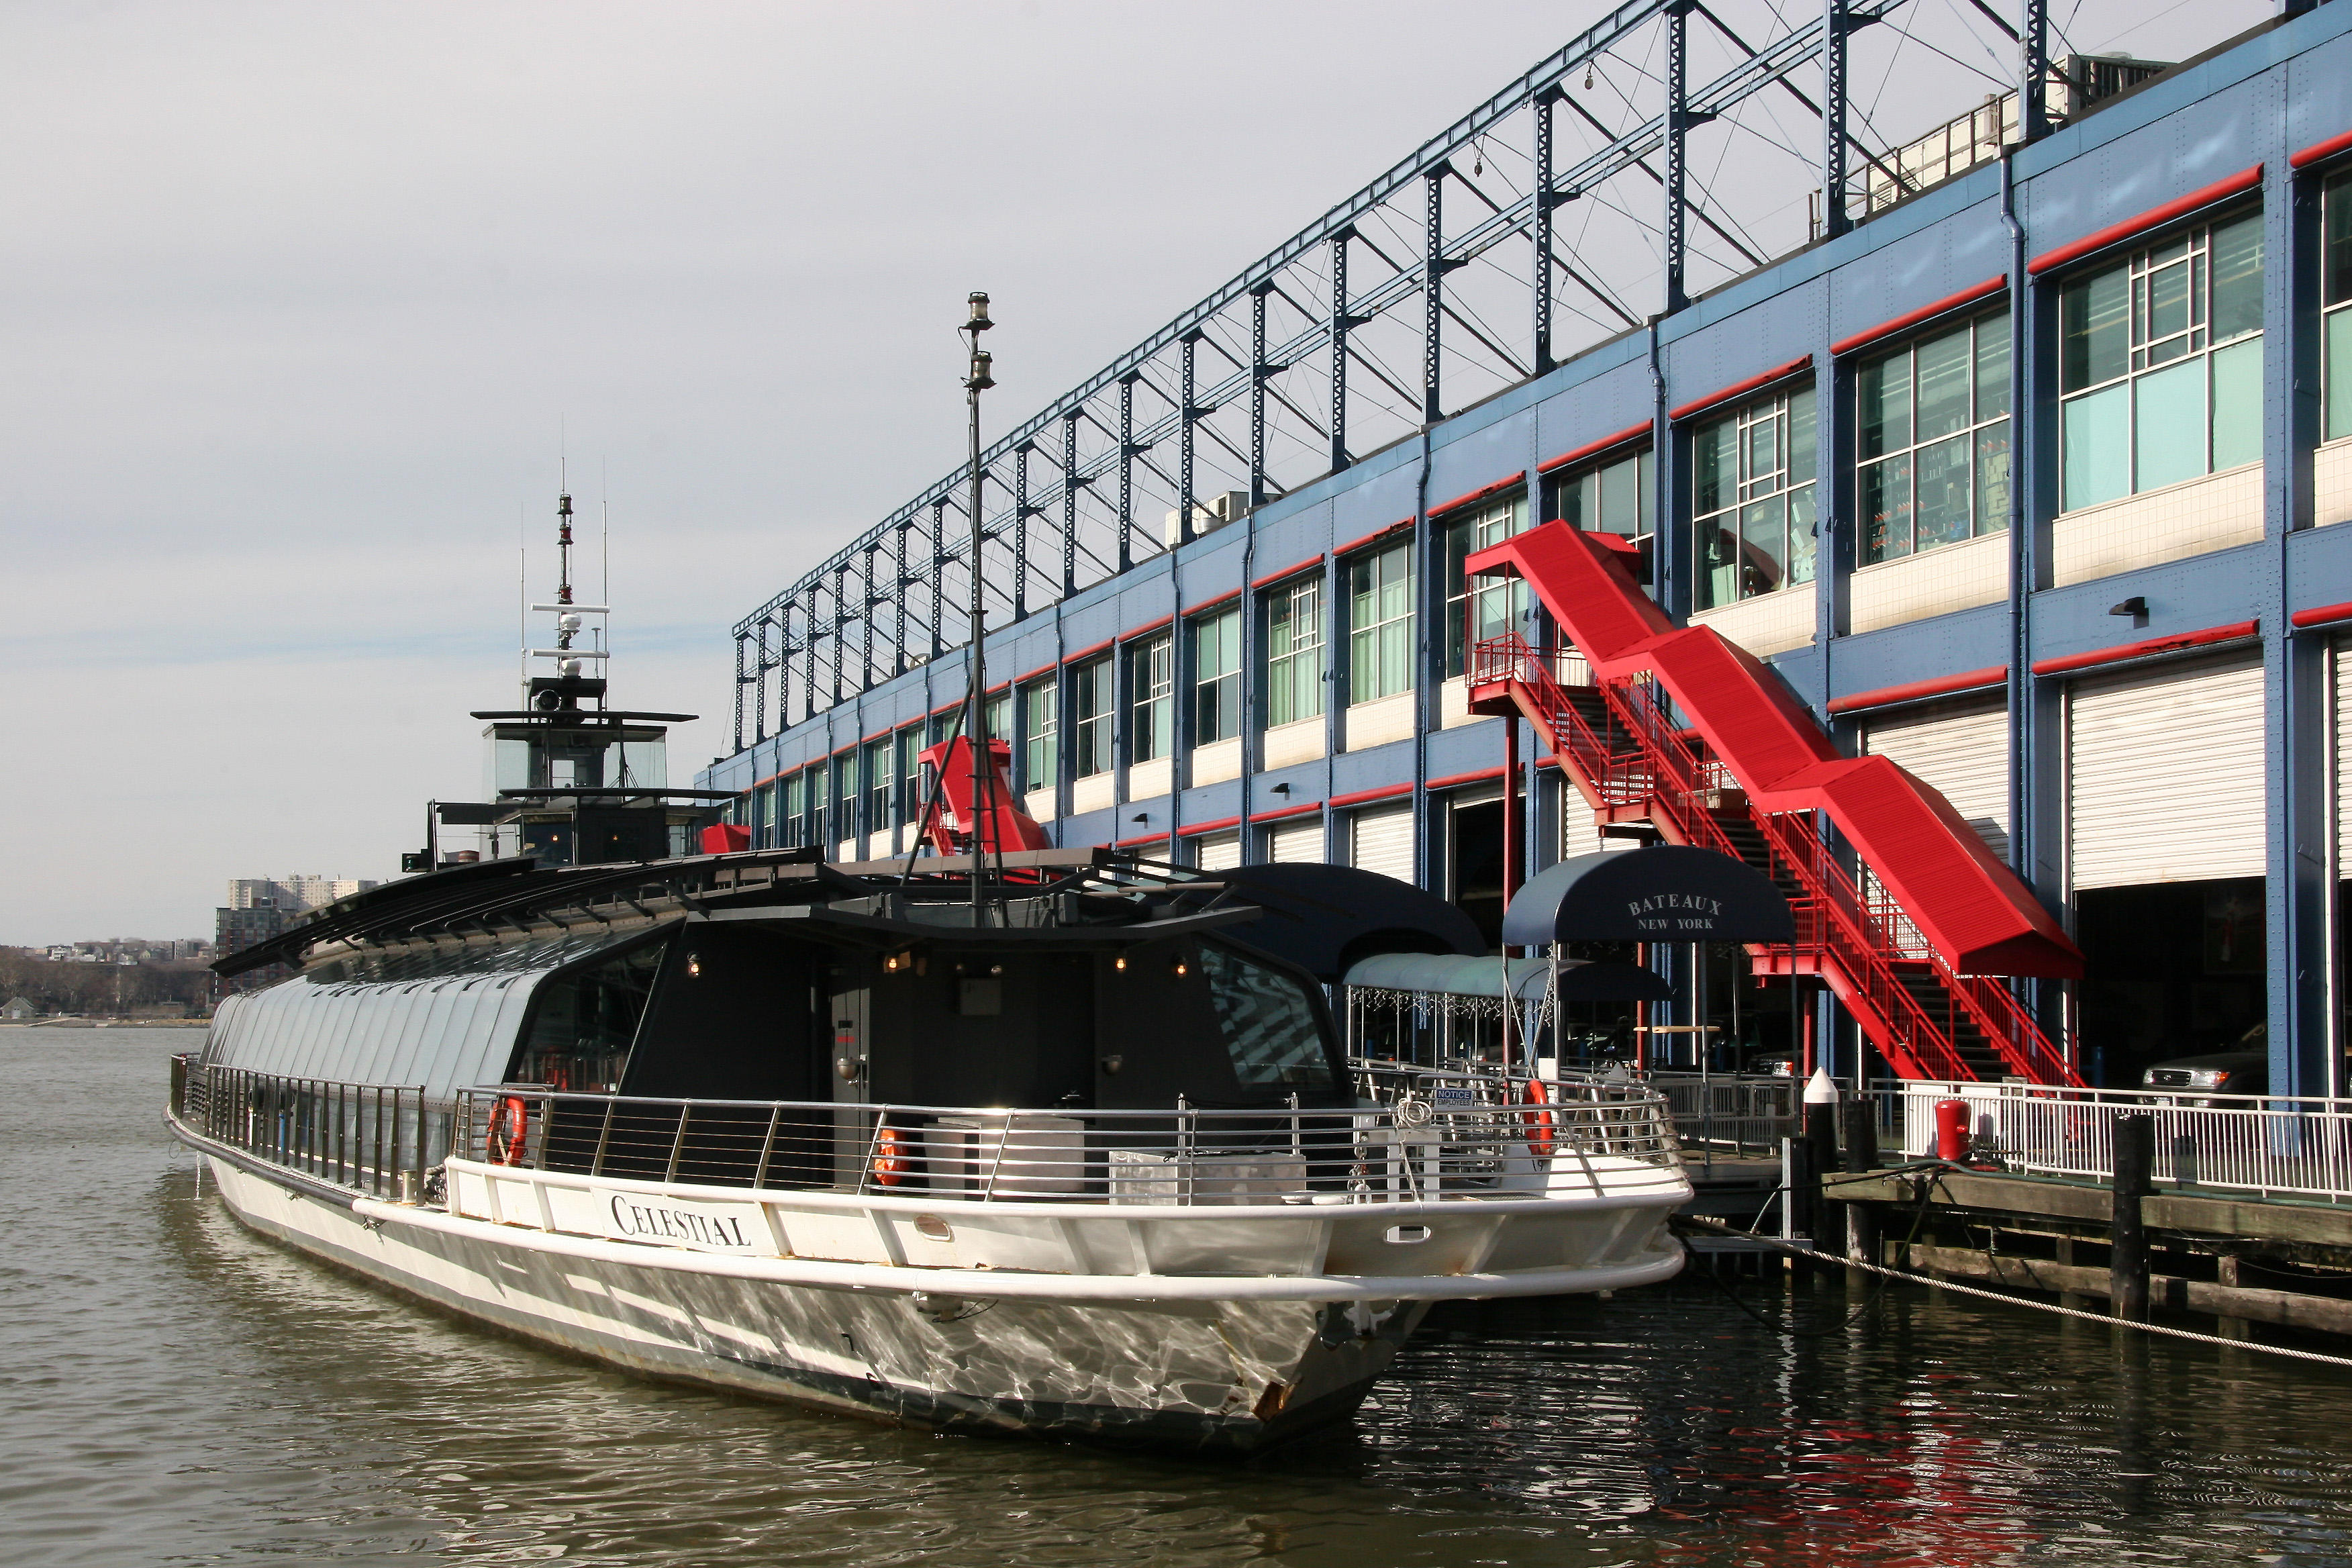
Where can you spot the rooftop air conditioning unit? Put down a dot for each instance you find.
(1209, 514)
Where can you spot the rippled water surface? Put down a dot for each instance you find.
(175, 1391)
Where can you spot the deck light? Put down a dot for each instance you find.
(1119, 963)
(1179, 967)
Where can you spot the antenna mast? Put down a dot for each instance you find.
(975, 727)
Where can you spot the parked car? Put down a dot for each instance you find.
(2232, 1072)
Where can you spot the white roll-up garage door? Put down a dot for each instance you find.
(1579, 834)
(1382, 840)
(1217, 851)
(2164, 775)
(1961, 749)
(1300, 840)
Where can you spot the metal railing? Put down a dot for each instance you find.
(2298, 1147)
(1435, 1135)
(376, 1139)
(1739, 1113)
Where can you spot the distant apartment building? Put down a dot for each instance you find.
(292, 894)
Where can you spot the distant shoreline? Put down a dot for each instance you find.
(109, 1023)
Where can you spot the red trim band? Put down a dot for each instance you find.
(1309, 565)
(1146, 629)
(1365, 797)
(2318, 152)
(2321, 616)
(1739, 388)
(1379, 533)
(1147, 839)
(2237, 631)
(1229, 595)
(1088, 651)
(1193, 829)
(1452, 780)
(1869, 335)
(2205, 196)
(1497, 488)
(1920, 691)
(1256, 817)
(1026, 678)
(1631, 432)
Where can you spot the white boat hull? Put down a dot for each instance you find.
(1201, 1367)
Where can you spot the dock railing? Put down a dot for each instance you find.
(2269, 1144)
(1732, 1113)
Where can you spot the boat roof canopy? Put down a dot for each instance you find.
(1665, 893)
(1451, 975)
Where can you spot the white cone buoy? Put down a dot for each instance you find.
(1821, 1088)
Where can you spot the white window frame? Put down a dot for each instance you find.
(1388, 637)
(1785, 486)
(1295, 659)
(1983, 436)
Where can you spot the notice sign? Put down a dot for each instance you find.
(663, 1221)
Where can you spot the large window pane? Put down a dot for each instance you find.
(1293, 647)
(1882, 406)
(1714, 466)
(2237, 261)
(1763, 562)
(1718, 564)
(2098, 451)
(1801, 535)
(1992, 367)
(1943, 489)
(2238, 404)
(1217, 677)
(1091, 688)
(2095, 329)
(1041, 732)
(1992, 478)
(1946, 375)
(1380, 643)
(1801, 437)
(2339, 373)
(1886, 500)
(2168, 426)
(1151, 691)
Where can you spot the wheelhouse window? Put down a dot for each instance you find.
(1752, 504)
(2160, 364)
(1619, 498)
(1041, 728)
(1270, 1029)
(1151, 699)
(1091, 701)
(1217, 678)
(1496, 606)
(583, 1023)
(1380, 624)
(1931, 441)
(2336, 300)
(1294, 652)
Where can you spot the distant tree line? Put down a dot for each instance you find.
(101, 990)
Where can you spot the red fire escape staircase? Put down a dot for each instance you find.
(1679, 728)
(950, 819)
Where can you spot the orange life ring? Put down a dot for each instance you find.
(1538, 1122)
(509, 1134)
(889, 1163)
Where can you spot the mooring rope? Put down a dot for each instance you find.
(1716, 1226)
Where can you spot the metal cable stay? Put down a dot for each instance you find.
(819, 608)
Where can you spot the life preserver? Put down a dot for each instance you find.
(509, 1134)
(1538, 1120)
(889, 1163)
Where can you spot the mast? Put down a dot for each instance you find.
(975, 731)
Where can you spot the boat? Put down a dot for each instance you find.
(994, 1137)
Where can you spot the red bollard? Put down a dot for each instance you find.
(1952, 1130)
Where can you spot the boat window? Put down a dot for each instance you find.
(1271, 1027)
(585, 1022)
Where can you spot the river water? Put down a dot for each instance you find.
(173, 1390)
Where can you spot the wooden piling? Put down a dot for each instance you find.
(1861, 1117)
(2126, 1234)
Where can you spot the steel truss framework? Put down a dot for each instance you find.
(1295, 353)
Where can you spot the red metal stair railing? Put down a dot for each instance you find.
(1620, 742)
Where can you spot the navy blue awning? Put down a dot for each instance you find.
(1666, 892)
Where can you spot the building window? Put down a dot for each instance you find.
(1618, 498)
(881, 785)
(763, 818)
(996, 713)
(1091, 702)
(844, 784)
(820, 801)
(2335, 296)
(1931, 441)
(1294, 652)
(1151, 699)
(1041, 728)
(1752, 498)
(1499, 604)
(911, 789)
(1217, 678)
(1380, 625)
(2161, 365)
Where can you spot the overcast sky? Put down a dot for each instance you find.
(304, 302)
